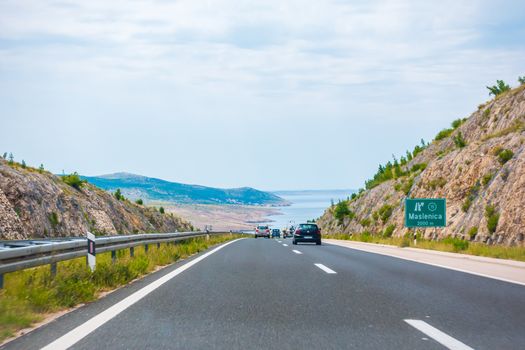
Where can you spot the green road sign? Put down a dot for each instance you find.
(425, 212)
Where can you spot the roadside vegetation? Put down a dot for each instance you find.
(29, 295)
(449, 244)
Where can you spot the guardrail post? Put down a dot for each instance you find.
(145, 248)
(91, 253)
(1, 281)
(132, 251)
(158, 245)
(53, 269)
(113, 256)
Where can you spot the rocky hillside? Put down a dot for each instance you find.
(37, 203)
(478, 165)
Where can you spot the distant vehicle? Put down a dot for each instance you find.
(307, 233)
(286, 233)
(262, 231)
(276, 233)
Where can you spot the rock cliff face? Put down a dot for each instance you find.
(483, 181)
(39, 204)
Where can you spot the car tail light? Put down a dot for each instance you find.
(268, 231)
(256, 230)
(297, 232)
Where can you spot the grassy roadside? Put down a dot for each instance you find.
(29, 295)
(452, 245)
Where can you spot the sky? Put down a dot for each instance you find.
(273, 94)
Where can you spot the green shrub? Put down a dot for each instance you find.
(341, 211)
(24, 165)
(407, 186)
(385, 212)
(443, 134)
(53, 219)
(139, 201)
(161, 210)
(459, 141)
(492, 218)
(419, 166)
(365, 222)
(499, 88)
(41, 168)
(457, 244)
(486, 178)
(471, 195)
(405, 242)
(436, 183)
(389, 230)
(457, 123)
(118, 195)
(74, 180)
(365, 236)
(505, 155)
(473, 232)
(521, 80)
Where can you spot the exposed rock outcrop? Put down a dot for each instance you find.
(473, 179)
(39, 204)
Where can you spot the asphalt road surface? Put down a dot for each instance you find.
(263, 294)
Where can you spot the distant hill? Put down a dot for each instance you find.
(151, 189)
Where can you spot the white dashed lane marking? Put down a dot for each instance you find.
(325, 269)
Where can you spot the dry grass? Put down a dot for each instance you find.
(30, 294)
(446, 245)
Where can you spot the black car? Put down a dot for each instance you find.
(276, 233)
(307, 233)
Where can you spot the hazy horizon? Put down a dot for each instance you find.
(287, 95)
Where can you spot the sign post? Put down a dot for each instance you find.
(425, 212)
(91, 258)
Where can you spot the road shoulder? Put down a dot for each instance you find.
(504, 270)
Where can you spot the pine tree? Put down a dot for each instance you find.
(41, 168)
(11, 158)
(24, 164)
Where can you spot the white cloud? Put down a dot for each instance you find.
(347, 61)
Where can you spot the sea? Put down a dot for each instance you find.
(305, 205)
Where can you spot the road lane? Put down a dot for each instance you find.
(258, 294)
(481, 312)
(255, 294)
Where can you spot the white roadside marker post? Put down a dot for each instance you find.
(91, 259)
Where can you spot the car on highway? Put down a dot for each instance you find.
(262, 231)
(276, 233)
(307, 233)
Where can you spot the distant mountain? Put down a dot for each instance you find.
(151, 189)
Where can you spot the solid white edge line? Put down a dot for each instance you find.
(433, 264)
(439, 336)
(72, 337)
(296, 251)
(325, 269)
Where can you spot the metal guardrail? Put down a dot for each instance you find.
(23, 254)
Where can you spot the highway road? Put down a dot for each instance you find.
(270, 294)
